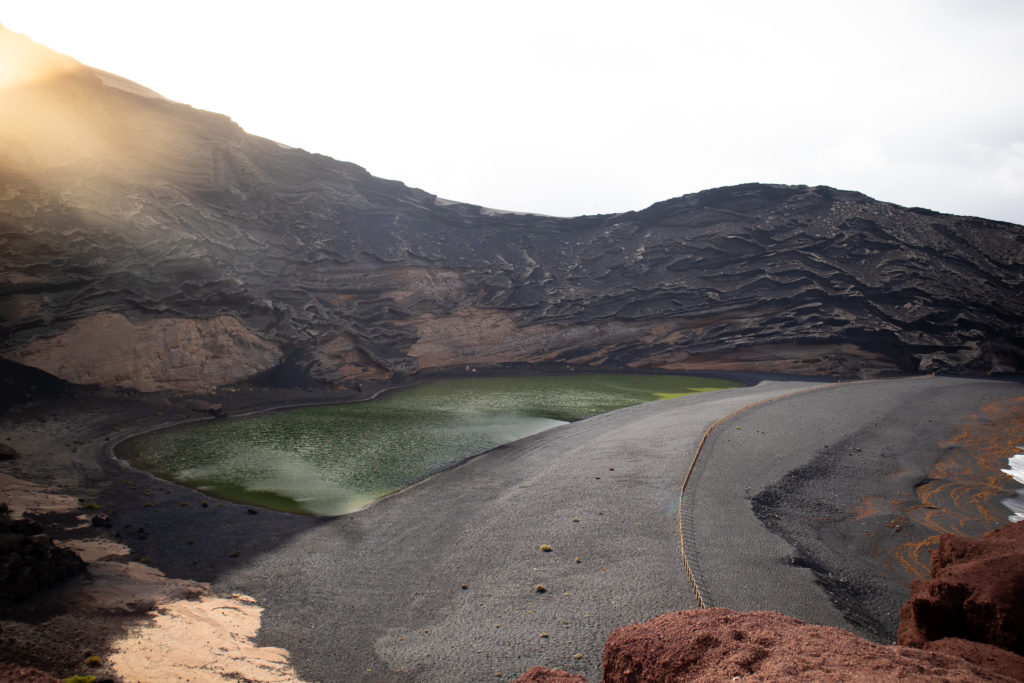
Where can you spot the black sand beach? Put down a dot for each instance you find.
(440, 582)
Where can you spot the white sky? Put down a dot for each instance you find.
(567, 108)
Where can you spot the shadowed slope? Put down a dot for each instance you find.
(125, 218)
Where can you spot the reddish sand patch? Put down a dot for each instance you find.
(962, 485)
(24, 496)
(722, 645)
(871, 506)
(540, 674)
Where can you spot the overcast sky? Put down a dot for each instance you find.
(567, 108)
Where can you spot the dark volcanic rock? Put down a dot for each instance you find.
(150, 245)
(29, 561)
(976, 592)
(21, 384)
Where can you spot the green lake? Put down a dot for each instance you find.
(335, 459)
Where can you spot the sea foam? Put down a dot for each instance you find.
(1016, 470)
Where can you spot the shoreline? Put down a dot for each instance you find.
(66, 447)
(172, 519)
(110, 448)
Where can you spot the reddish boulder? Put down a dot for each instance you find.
(25, 674)
(542, 674)
(988, 656)
(719, 644)
(976, 592)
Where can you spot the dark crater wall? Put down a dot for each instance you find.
(124, 204)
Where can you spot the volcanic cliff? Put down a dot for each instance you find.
(149, 245)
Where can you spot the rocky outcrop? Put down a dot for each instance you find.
(976, 593)
(118, 202)
(29, 561)
(964, 624)
(152, 355)
(25, 674)
(722, 645)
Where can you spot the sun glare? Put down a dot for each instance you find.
(24, 63)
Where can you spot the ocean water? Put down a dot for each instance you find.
(331, 460)
(1016, 470)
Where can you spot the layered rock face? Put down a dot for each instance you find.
(976, 593)
(143, 226)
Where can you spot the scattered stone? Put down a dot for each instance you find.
(102, 521)
(545, 548)
(541, 588)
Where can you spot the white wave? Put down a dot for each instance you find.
(1016, 470)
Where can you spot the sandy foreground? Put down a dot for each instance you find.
(147, 626)
(189, 634)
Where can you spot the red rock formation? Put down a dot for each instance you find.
(965, 624)
(541, 674)
(25, 674)
(976, 593)
(989, 656)
(719, 644)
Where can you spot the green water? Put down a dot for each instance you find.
(330, 460)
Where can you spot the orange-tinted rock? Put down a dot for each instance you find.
(976, 592)
(988, 656)
(25, 674)
(542, 674)
(720, 644)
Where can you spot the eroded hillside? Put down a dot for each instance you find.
(150, 245)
